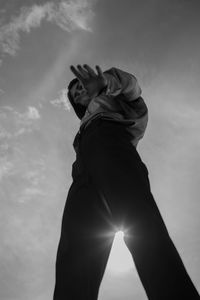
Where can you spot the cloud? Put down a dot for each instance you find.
(26, 122)
(28, 117)
(14, 123)
(68, 15)
(5, 167)
(71, 15)
(33, 113)
(62, 101)
(3, 133)
(34, 178)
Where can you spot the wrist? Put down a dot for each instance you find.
(103, 90)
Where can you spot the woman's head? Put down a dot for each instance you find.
(79, 93)
(78, 108)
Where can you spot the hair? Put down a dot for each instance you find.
(72, 82)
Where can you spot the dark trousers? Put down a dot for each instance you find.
(111, 191)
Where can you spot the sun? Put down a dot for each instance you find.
(120, 259)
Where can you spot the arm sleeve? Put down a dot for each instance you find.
(121, 82)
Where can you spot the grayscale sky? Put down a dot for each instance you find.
(157, 41)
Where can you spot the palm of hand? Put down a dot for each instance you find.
(92, 82)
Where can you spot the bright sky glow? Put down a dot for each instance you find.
(120, 259)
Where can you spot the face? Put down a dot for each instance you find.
(79, 94)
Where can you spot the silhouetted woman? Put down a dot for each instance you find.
(110, 192)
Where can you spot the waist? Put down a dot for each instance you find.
(95, 123)
(107, 118)
(104, 129)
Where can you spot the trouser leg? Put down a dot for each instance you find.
(123, 179)
(84, 246)
(157, 261)
(159, 266)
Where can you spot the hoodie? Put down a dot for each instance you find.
(120, 101)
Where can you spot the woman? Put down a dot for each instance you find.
(110, 192)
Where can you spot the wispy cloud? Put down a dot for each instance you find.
(5, 167)
(14, 123)
(62, 100)
(34, 178)
(3, 133)
(68, 15)
(32, 113)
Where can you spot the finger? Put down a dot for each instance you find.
(83, 72)
(99, 71)
(90, 70)
(76, 73)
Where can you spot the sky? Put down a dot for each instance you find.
(158, 42)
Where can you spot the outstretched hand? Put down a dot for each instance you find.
(92, 82)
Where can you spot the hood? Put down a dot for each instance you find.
(78, 108)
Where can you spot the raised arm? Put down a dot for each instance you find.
(121, 82)
(112, 82)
